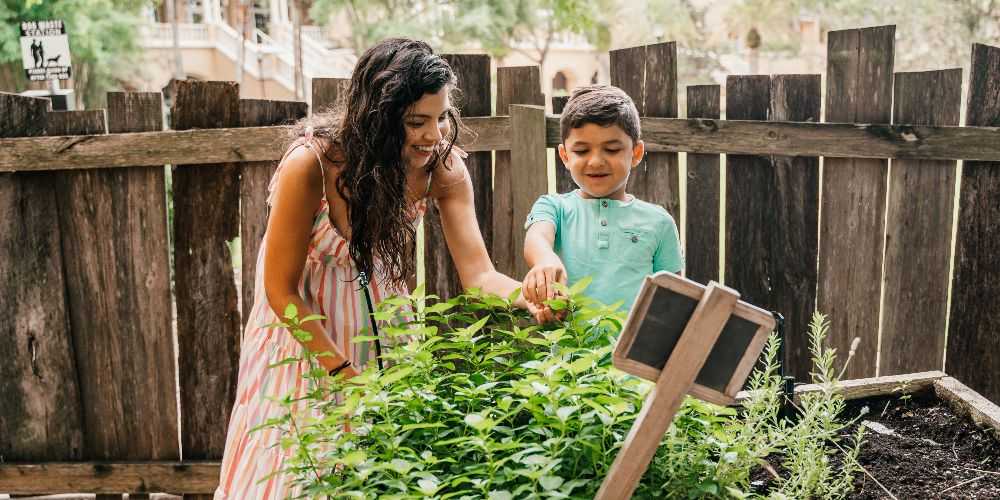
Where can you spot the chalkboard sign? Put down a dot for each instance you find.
(661, 312)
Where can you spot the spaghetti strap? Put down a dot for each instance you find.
(307, 142)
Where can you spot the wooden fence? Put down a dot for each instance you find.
(89, 388)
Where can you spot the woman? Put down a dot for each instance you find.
(344, 201)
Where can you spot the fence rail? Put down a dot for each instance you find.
(84, 238)
(690, 135)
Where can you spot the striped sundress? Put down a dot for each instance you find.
(329, 287)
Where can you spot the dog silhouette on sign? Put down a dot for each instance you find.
(52, 60)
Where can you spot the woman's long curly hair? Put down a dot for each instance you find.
(367, 127)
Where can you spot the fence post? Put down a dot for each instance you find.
(473, 73)
(40, 418)
(973, 344)
(515, 85)
(254, 180)
(648, 74)
(852, 232)
(918, 231)
(795, 216)
(701, 258)
(529, 165)
(206, 219)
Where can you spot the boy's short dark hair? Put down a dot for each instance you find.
(602, 105)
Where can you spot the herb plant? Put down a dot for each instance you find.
(484, 404)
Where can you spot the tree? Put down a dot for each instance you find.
(102, 38)
(498, 26)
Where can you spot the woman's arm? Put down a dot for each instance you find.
(456, 204)
(289, 229)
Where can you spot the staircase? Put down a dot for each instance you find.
(265, 57)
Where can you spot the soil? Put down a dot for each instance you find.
(924, 450)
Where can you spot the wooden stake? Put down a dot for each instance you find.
(665, 398)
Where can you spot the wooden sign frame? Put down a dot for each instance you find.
(703, 314)
(695, 291)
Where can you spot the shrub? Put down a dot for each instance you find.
(484, 404)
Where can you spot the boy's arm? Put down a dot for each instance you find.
(668, 250)
(546, 268)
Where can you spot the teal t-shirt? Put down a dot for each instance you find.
(617, 243)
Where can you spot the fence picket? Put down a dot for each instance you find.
(859, 89)
(701, 256)
(206, 220)
(793, 245)
(918, 231)
(529, 166)
(41, 415)
(973, 344)
(564, 181)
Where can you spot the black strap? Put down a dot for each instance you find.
(787, 382)
(363, 278)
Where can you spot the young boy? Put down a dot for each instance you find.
(598, 230)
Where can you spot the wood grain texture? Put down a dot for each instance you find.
(564, 180)
(973, 343)
(84, 214)
(793, 245)
(859, 89)
(969, 403)
(206, 219)
(473, 99)
(529, 166)
(663, 400)
(701, 256)
(40, 418)
(515, 85)
(861, 388)
(918, 231)
(109, 477)
(254, 180)
(749, 196)
(693, 135)
(114, 238)
(327, 93)
(648, 74)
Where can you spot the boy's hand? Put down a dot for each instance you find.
(538, 285)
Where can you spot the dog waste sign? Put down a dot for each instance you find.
(45, 50)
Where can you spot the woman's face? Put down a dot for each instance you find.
(426, 124)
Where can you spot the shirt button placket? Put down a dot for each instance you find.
(603, 238)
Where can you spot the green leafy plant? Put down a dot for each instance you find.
(484, 404)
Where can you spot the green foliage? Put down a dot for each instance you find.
(102, 40)
(498, 26)
(485, 404)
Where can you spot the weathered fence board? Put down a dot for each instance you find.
(40, 418)
(749, 197)
(327, 91)
(474, 99)
(254, 180)
(107, 477)
(701, 257)
(529, 166)
(564, 180)
(648, 74)
(515, 85)
(859, 89)
(692, 135)
(918, 231)
(85, 211)
(206, 220)
(795, 219)
(973, 343)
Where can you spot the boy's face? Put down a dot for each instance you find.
(600, 158)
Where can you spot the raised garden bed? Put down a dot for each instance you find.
(928, 436)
